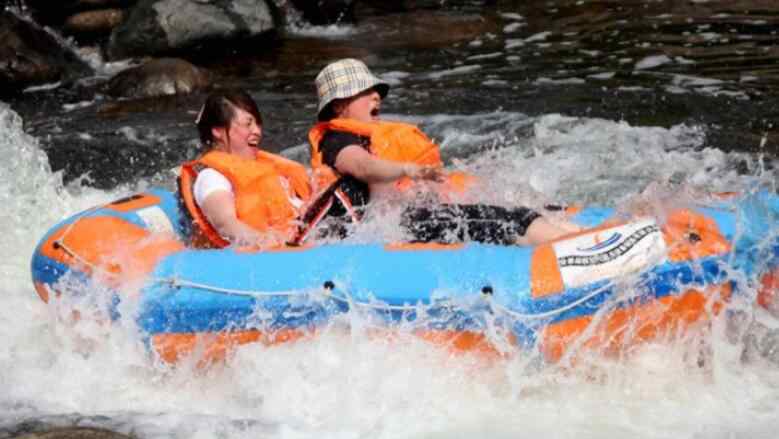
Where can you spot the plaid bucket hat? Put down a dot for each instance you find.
(343, 79)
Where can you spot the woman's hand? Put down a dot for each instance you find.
(420, 172)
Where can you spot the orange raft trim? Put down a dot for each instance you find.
(134, 202)
(545, 277)
(690, 235)
(768, 290)
(462, 342)
(111, 249)
(215, 347)
(630, 326)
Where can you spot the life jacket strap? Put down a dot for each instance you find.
(318, 210)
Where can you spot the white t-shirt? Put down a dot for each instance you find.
(210, 180)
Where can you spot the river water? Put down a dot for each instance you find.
(583, 102)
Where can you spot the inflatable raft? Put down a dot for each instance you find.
(611, 286)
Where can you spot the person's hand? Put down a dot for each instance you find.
(419, 172)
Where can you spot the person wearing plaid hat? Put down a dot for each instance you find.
(357, 155)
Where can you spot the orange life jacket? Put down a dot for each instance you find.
(261, 198)
(393, 141)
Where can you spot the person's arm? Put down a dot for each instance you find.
(219, 209)
(213, 193)
(364, 166)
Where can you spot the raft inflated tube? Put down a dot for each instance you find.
(606, 288)
(116, 244)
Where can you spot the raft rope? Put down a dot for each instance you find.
(60, 243)
(327, 290)
(179, 283)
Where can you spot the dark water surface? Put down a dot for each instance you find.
(650, 63)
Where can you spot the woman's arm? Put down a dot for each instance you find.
(364, 166)
(219, 209)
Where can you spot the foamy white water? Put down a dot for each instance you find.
(345, 384)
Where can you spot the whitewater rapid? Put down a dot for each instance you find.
(345, 384)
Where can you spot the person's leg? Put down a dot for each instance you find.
(431, 224)
(448, 223)
(522, 225)
(542, 230)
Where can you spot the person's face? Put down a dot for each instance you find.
(242, 136)
(364, 107)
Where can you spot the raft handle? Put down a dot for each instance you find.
(172, 283)
(694, 237)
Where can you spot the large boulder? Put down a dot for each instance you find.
(156, 27)
(30, 56)
(159, 77)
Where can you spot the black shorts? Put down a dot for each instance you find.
(449, 223)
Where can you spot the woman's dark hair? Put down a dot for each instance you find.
(219, 110)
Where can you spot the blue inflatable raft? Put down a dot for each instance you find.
(615, 284)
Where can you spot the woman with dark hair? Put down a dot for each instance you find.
(236, 193)
(363, 155)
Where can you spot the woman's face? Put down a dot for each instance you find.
(243, 135)
(364, 107)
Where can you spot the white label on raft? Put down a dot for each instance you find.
(610, 253)
(155, 219)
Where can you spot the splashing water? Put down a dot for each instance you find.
(348, 384)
